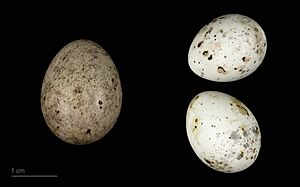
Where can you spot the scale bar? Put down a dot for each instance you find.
(34, 176)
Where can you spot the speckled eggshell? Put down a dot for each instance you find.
(223, 132)
(81, 94)
(229, 48)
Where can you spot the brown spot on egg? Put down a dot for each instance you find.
(242, 110)
(56, 128)
(78, 90)
(193, 101)
(214, 20)
(195, 127)
(205, 53)
(255, 131)
(260, 51)
(245, 133)
(246, 145)
(255, 156)
(246, 59)
(195, 98)
(199, 44)
(88, 131)
(234, 135)
(208, 32)
(221, 70)
(240, 155)
(240, 107)
(208, 161)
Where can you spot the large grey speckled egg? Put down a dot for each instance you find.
(81, 94)
(229, 48)
(223, 132)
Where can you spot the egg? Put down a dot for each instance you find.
(229, 48)
(81, 93)
(222, 131)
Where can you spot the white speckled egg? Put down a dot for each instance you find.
(229, 48)
(223, 132)
(81, 94)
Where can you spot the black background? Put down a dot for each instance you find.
(148, 43)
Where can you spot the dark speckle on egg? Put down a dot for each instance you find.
(221, 70)
(199, 44)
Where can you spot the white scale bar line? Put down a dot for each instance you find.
(33, 176)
